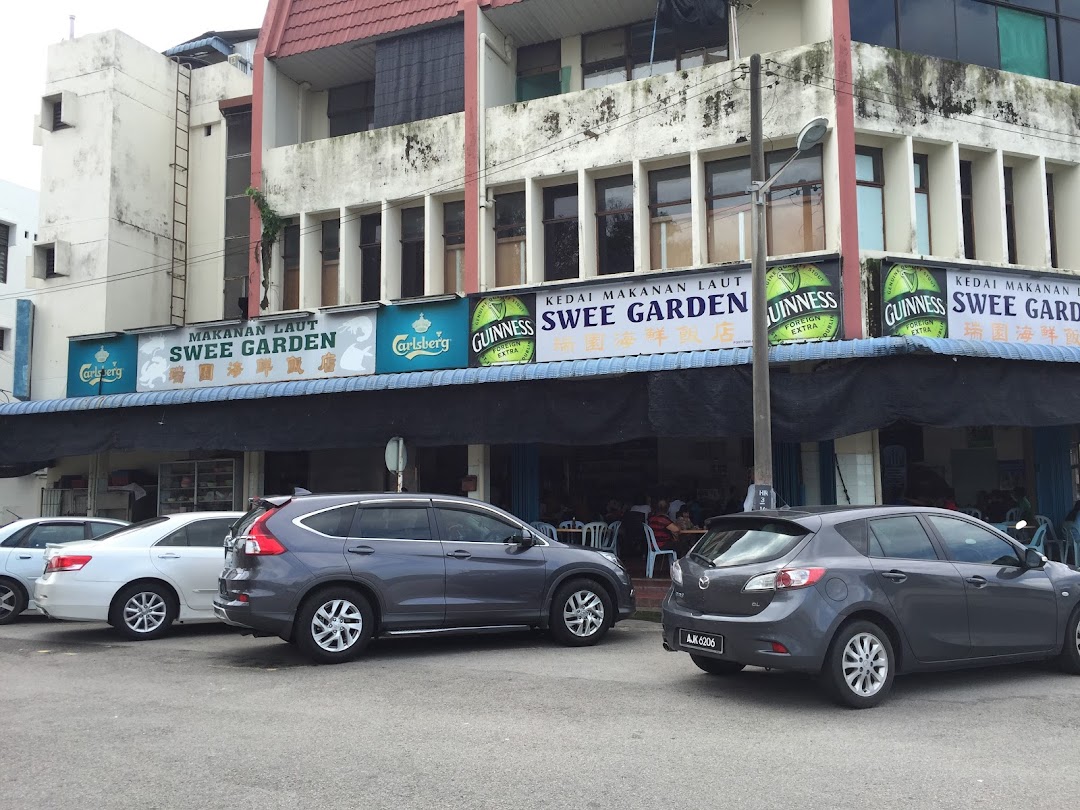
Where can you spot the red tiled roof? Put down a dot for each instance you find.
(313, 24)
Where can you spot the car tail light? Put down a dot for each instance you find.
(788, 579)
(792, 578)
(66, 562)
(260, 541)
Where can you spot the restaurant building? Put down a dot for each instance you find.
(516, 232)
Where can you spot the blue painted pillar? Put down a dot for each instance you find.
(525, 482)
(1053, 474)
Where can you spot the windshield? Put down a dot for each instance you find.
(134, 527)
(745, 541)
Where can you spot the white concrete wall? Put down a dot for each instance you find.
(500, 66)
(107, 190)
(858, 480)
(19, 497)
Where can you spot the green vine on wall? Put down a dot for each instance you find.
(271, 230)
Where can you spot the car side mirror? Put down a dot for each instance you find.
(525, 540)
(1033, 559)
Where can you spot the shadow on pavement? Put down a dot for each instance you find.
(792, 690)
(271, 652)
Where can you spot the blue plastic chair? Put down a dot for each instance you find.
(1038, 541)
(1070, 540)
(546, 529)
(655, 552)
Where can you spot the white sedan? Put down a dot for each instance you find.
(142, 579)
(22, 554)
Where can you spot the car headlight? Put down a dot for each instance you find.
(611, 557)
(676, 573)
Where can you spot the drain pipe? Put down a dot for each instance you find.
(485, 203)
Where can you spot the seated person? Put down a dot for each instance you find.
(683, 519)
(664, 529)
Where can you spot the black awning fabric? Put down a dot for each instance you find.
(845, 398)
(24, 468)
(833, 400)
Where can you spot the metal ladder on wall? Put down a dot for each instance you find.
(178, 267)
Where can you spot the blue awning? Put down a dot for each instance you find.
(216, 43)
(566, 369)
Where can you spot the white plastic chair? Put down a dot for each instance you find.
(655, 551)
(571, 524)
(975, 513)
(610, 539)
(593, 533)
(1051, 533)
(546, 529)
(1012, 515)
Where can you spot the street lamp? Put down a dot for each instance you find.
(811, 136)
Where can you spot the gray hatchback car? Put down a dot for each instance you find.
(330, 572)
(861, 594)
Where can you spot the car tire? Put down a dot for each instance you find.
(334, 625)
(860, 665)
(1069, 659)
(12, 601)
(715, 666)
(144, 611)
(581, 613)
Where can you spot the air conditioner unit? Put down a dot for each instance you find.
(239, 62)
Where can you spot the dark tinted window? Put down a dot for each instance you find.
(854, 532)
(926, 27)
(53, 533)
(208, 533)
(969, 543)
(393, 523)
(333, 522)
(466, 526)
(976, 33)
(900, 538)
(874, 21)
(177, 538)
(744, 541)
(14, 538)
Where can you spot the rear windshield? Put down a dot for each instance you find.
(746, 541)
(123, 531)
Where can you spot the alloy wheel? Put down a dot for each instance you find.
(1077, 636)
(337, 625)
(583, 613)
(145, 612)
(865, 665)
(7, 601)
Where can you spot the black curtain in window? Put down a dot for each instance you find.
(419, 76)
(695, 20)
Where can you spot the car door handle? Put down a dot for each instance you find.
(895, 576)
(361, 550)
(978, 582)
(168, 556)
(459, 555)
(26, 557)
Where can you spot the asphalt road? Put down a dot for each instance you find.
(209, 719)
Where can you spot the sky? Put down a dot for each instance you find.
(33, 25)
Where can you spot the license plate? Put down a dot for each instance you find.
(701, 641)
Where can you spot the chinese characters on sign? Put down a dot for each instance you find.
(327, 345)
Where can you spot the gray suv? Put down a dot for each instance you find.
(861, 594)
(330, 572)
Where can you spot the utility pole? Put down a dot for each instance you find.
(764, 497)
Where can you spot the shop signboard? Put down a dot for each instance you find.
(502, 330)
(104, 365)
(687, 312)
(340, 344)
(925, 300)
(423, 336)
